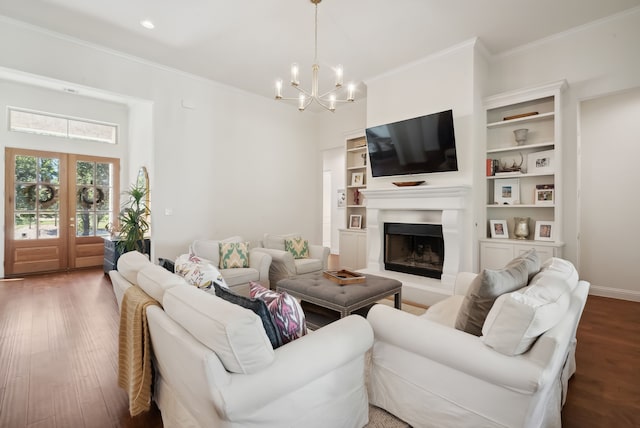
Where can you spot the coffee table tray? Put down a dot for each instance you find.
(344, 277)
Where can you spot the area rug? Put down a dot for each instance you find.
(379, 418)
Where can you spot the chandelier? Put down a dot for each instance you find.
(328, 99)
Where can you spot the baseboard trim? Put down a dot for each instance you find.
(615, 293)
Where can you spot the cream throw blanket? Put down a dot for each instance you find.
(134, 354)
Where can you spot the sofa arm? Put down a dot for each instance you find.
(260, 261)
(524, 373)
(296, 365)
(321, 253)
(282, 265)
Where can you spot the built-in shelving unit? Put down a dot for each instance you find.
(537, 162)
(353, 239)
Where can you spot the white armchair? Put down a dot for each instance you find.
(429, 374)
(238, 279)
(284, 265)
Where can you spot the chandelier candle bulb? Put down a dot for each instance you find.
(278, 89)
(294, 74)
(332, 102)
(352, 90)
(339, 76)
(301, 100)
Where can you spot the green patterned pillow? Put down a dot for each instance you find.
(298, 247)
(234, 255)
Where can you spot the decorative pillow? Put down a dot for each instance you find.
(517, 319)
(234, 255)
(198, 272)
(298, 247)
(285, 309)
(259, 307)
(485, 289)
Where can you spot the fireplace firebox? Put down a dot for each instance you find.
(414, 248)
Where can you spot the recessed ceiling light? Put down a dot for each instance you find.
(147, 24)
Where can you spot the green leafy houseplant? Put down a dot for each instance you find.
(134, 220)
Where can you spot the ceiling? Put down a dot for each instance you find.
(248, 44)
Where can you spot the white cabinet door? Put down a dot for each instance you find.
(495, 253)
(353, 249)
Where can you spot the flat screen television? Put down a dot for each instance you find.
(419, 145)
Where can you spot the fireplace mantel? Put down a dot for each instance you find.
(447, 204)
(429, 197)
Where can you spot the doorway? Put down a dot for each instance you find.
(58, 207)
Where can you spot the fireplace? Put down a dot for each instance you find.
(442, 205)
(414, 248)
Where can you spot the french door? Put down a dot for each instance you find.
(57, 209)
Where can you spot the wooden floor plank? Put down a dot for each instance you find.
(59, 336)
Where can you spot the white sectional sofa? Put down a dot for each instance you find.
(215, 366)
(431, 374)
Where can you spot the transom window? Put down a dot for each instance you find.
(32, 122)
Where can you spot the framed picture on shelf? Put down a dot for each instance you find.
(544, 231)
(506, 191)
(544, 194)
(357, 178)
(355, 221)
(499, 229)
(541, 162)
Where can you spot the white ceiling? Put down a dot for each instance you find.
(250, 43)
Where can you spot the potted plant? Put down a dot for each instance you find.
(134, 220)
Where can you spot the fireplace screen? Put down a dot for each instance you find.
(417, 249)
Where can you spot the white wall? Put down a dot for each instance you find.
(235, 163)
(596, 59)
(609, 206)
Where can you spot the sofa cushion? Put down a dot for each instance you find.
(561, 269)
(156, 280)
(210, 249)
(298, 247)
(234, 255)
(239, 276)
(276, 242)
(234, 333)
(517, 319)
(259, 307)
(130, 263)
(285, 309)
(307, 265)
(199, 272)
(485, 289)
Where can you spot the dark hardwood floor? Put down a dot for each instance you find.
(58, 347)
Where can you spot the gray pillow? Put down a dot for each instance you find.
(485, 289)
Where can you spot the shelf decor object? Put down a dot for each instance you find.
(328, 99)
(407, 183)
(521, 227)
(541, 162)
(544, 195)
(521, 135)
(544, 231)
(499, 229)
(506, 191)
